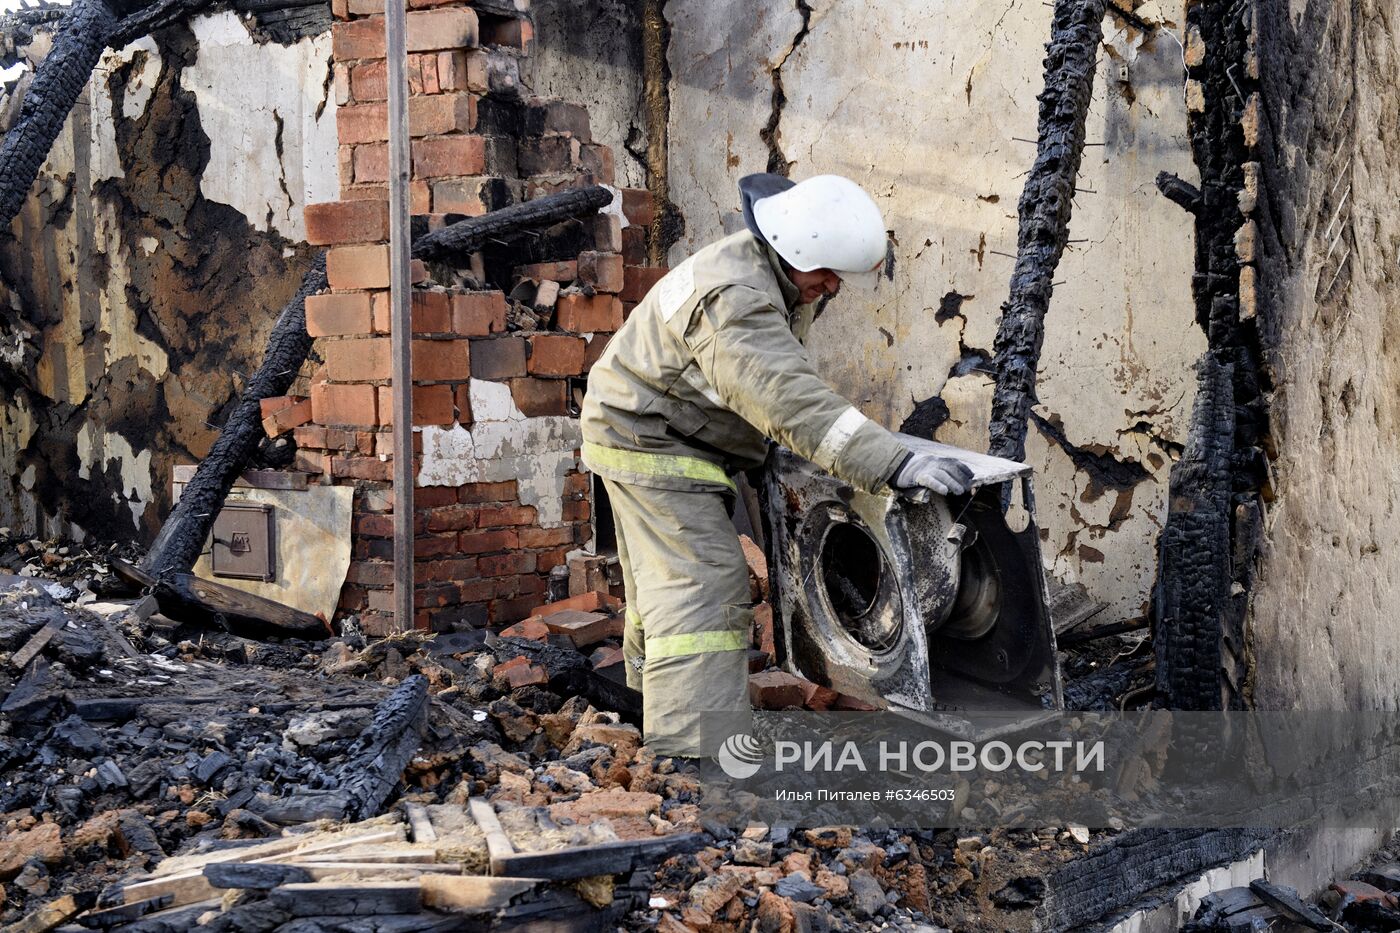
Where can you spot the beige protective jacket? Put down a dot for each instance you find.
(708, 366)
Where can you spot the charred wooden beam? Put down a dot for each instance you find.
(82, 37)
(87, 29)
(181, 538)
(1179, 191)
(468, 236)
(1045, 207)
(1194, 555)
(378, 757)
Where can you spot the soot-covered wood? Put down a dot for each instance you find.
(1044, 212)
(468, 236)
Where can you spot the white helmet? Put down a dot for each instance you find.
(824, 222)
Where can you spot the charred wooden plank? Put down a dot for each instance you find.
(467, 236)
(469, 894)
(53, 914)
(1286, 901)
(185, 596)
(376, 761)
(182, 537)
(38, 641)
(126, 913)
(604, 858)
(256, 876)
(362, 898)
(1044, 215)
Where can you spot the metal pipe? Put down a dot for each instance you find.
(400, 296)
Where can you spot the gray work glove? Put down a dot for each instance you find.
(930, 471)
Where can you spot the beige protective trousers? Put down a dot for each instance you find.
(689, 620)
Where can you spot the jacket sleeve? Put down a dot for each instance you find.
(745, 349)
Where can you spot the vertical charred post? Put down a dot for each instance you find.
(1046, 203)
(1209, 545)
(59, 79)
(668, 226)
(182, 536)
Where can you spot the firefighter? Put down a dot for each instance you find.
(708, 368)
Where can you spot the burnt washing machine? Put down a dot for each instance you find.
(929, 607)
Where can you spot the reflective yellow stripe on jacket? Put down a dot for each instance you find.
(648, 464)
(671, 646)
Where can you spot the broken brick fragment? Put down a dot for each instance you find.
(776, 690)
(533, 629)
(583, 628)
(519, 672)
(285, 419)
(592, 601)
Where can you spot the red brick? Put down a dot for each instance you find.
(444, 156)
(310, 435)
(283, 420)
(544, 116)
(581, 314)
(431, 405)
(380, 310)
(638, 206)
(487, 492)
(546, 561)
(452, 518)
(506, 515)
(498, 358)
(426, 67)
(333, 404)
(362, 468)
(352, 598)
(371, 572)
(583, 628)
(601, 270)
(365, 221)
(763, 628)
(540, 397)
(596, 160)
(441, 360)
(354, 267)
(634, 245)
(372, 525)
(431, 312)
(638, 280)
(548, 155)
(463, 71)
(501, 565)
(565, 271)
(359, 39)
(335, 315)
(442, 29)
(340, 9)
(356, 360)
(596, 345)
(270, 406)
(592, 601)
(370, 164)
(577, 510)
(435, 115)
(484, 542)
(453, 570)
(817, 697)
(524, 674)
(441, 114)
(309, 461)
(477, 314)
(461, 196)
(369, 81)
(775, 690)
(462, 395)
(432, 545)
(556, 355)
(607, 232)
(546, 537)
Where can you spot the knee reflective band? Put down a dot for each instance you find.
(631, 461)
(673, 646)
(634, 618)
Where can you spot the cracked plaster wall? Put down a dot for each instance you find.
(147, 267)
(1323, 616)
(922, 103)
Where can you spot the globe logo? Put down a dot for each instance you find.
(740, 756)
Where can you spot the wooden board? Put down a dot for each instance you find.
(358, 899)
(473, 893)
(421, 826)
(38, 641)
(53, 913)
(187, 597)
(498, 844)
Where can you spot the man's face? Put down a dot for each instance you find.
(819, 283)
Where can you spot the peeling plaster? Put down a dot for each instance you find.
(922, 104)
(98, 450)
(503, 444)
(279, 91)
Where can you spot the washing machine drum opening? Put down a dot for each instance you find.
(854, 576)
